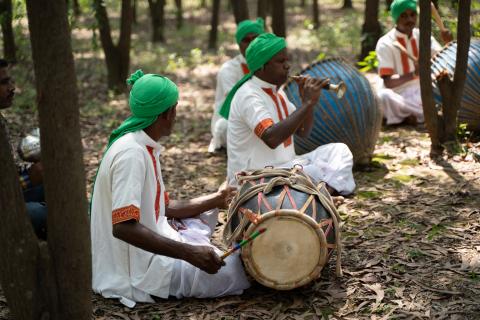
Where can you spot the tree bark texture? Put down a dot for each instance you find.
(316, 14)
(24, 276)
(9, 50)
(262, 8)
(179, 13)
(212, 37)
(347, 4)
(240, 10)
(157, 15)
(117, 57)
(62, 156)
(278, 18)
(371, 29)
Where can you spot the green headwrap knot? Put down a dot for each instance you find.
(399, 6)
(134, 77)
(248, 26)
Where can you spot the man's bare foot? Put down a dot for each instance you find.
(338, 200)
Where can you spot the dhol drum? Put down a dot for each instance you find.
(469, 111)
(355, 119)
(302, 226)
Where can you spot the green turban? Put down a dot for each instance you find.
(248, 26)
(399, 6)
(150, 96)
(259, 52)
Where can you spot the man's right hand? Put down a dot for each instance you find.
(205, 258)
(311, 89)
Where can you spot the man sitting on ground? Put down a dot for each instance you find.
(230, 73)
(399, 91)
(262, 121)
(137, 254)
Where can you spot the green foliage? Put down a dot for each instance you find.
(436, 231)
(321, 56)
(463, 134)
(368, 194)
(369, 63)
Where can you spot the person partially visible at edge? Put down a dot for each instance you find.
(399, 91)
(262, 121)
(230, 73)
(30, 175)
(138, 254)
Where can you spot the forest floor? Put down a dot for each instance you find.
(411, 231)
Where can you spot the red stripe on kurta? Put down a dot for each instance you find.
(413, 42)
(272, 95)
(157, 196)
(404, 57)
(245, 69)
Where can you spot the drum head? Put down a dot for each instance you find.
(291, 252)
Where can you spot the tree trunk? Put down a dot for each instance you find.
(240, 10)
(203, 3)
(157, 15)
(9, 50)
(316, 14)
(388, 3)
(117, 57)
(76, 8)
(179, 14)
(262, 7)
(347, 4)
(442, 126)
(134, 12)
(278, 18)
(371, 29)
(212, 38)
(302, 3)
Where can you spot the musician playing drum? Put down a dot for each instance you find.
(397, 53)
(262, 120)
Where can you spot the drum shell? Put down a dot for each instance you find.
(354, 119)
(445, 60)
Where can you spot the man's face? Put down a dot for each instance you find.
(246, 41)
(277, 68)
(407, 21)
(7, 89)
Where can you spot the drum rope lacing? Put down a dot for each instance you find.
(293, 179)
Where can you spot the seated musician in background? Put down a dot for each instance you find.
(262, 121)
(230, 73)
(137, 254)
(399, 92)
(31, 174)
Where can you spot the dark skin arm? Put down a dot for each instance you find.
(134, 233)
(396, 80)
(301, 120)
(35, 172)
(182, 209)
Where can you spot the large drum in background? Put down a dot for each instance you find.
(469, 111)
(301, 222)
(354, 119)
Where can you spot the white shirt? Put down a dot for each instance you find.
(229, 74)
(129, 185)
(391, 60)
(256, 106)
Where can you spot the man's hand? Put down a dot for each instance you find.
(446, 36)
(35, 172)
(205, 258)
(310, 90)
(225, 195)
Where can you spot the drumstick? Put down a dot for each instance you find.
(399, 46)
(436, 17)
(243, 242)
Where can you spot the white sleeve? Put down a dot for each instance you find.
(386, 60)
(226, 79)
(127, 172)
(255, 114)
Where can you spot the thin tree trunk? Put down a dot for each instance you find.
(371, 29)
(302, 3)
(134, 12)
(316, 14)
(388, 3)
(117, 57)
(62, 156)
(347, 4)
(278, 18)
(212, 38)
(240, 10)
(9, 50)
(179, 14)
(157, 15)
(76, 8)
(262, 7)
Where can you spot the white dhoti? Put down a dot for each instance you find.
(400, 103)
(189, 281)
(331, 163)
(219, 126)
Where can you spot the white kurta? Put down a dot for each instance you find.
(229, 74)
(129, 185)
(256, 106)
(403, 101)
